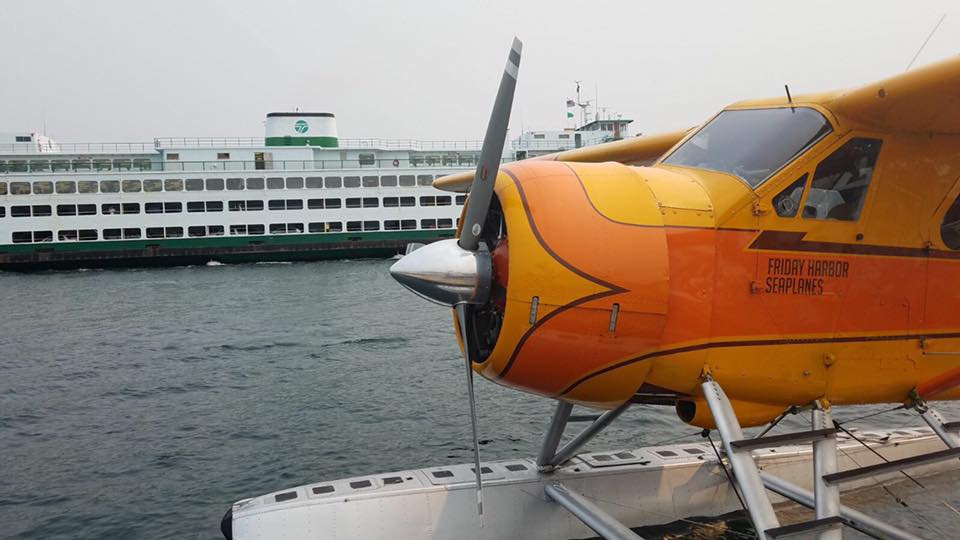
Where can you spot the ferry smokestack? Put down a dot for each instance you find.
(301, 129)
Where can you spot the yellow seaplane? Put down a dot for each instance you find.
(793, 253)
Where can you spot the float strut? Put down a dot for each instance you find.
(552, 439)
(590, 514)
(545, 463)
(947, 431)
(746, 474)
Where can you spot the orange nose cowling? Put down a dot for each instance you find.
(588, 277)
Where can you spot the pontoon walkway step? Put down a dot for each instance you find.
(895, 465)
(805, 527)
(782, 440)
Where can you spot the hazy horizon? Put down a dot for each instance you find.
(114, 70)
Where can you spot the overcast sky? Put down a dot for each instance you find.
(122, 70)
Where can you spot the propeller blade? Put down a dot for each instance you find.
(462, 310)
(481, 191)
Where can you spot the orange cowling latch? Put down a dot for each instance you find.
(939, 384)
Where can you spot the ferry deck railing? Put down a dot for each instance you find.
(126, 165)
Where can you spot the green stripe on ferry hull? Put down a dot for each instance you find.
(324, 142)
(226, 249)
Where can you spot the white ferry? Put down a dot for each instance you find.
(299, 193)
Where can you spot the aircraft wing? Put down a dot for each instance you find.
(924, 100)
(641, 150)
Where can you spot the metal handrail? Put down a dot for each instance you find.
(227, 166)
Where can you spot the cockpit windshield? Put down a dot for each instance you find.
(753, 143)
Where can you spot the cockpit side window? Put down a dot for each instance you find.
(787, 202)
(840, 182)
(950, 228)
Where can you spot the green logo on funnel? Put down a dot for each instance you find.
(301, 126)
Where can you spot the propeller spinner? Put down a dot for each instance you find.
(459, 273)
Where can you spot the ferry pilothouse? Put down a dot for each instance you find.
(299, 193)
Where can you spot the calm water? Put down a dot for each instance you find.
(142, 403)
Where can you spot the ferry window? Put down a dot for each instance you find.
(391, 202)
(331, 203)
(428, 224)
(407, 180)
(42, 188)
(316, 227)
(86, 209)
(3, 186)
(194, 184)
(351, 181)
(173, 184)
(461, 199)
(3, 211)
(22, 237)
(254, 183)
(173, 156)
(234, 184)
(315, 204)
(87, 186)
(110, 209)
(19, 211)
(371, 181)
(277, 204)
(20, 188)
(563, 136)
(391, 225)
(197, 230)
(111, 234)
(371, 202)
(130, 208)
(215, 230)
(445, 223)
(153, 208)
(131, 234)
(294, 228)
(131, 186)
(278, 228)
(367, 159)
(42, 210)
(214, 206)
(335, 226)
(153, 185)
(332, 182)
(314, 182)
(254, 206)
(408, 224)
(154, 232)
(443, 201)
(950, 227)
(354, 226)
(214, 184)
(88, 234)
(195, 206)
(236, 206)
(787, 202)
(840, 182)
(425, 179)
(109, 186)
(274, 183)
(223, 155)
(294, 182)
(66, 236)
(174, 232)
(238, 229)
(371, 225)
(66, 210)
(173, 207)
(294, 204)
(408, 201)
(23, 138)
(353, 202)
(255, 229)
(388, 181)
(43, 236)
(428, 201)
